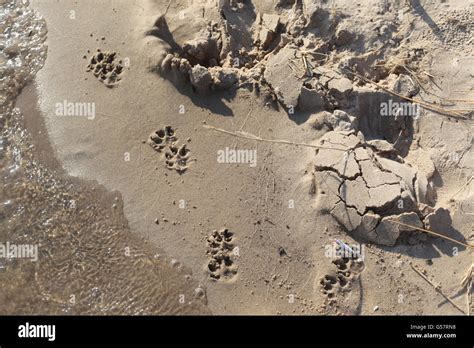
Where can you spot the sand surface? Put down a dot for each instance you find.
(268, 219)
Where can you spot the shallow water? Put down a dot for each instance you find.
(88, 260)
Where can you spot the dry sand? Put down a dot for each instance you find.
(255, 238)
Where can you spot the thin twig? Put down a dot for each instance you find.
(462, 187)
(468, 298)
(167, 8)
(437, 288)
(433, 233)
(466, 282)
(249, 136)
(247, 117)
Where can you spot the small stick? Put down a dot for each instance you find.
(433, 233)
(277, 141)
(247, 117)
(466, 282)
(437, 288)
(167, 7)
(468, 298)
(462, 187)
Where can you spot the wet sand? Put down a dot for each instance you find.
(88, 260)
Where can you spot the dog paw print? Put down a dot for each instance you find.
(162, 138)
(340, 279)
(177, 157)
(220, 251)
(106, 68)
(165, 141)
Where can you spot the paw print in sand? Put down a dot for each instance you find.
(341, 278)
(162, 138)
(165, 141)
(220, 249)
(106, 68)
(177, 157)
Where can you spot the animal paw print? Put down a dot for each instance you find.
(162, 138)
(177, 157)
(105, 67)
(220, 248)
(165, 141)
(340, 280)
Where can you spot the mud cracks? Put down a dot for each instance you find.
(371, 190)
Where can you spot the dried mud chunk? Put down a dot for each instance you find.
(368, 223)
(340, 86)
(201, 79)
(411, 222)
(439, 220)
(205, 48)
(383, 196)
(388, 231)
(271, 21)
(411, 234)
(422, 160)
(382, 146)
(166, 63)
(342, 162)
(268, 30)
(423, 189)
(341, 121)
(346, 216)
(282, 78)
(402, 170)
(328, 184)
(223, 78)
(425, 210)
(355, 194)
(341, 140)
(362, 154)
(310, 100)
(319, 121)
(336, 155)
(403, 84)
(375, 177)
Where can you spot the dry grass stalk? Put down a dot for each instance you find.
(462, 187)
(437, 288)
(466, 283)
(249, 136)
(433, 233)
